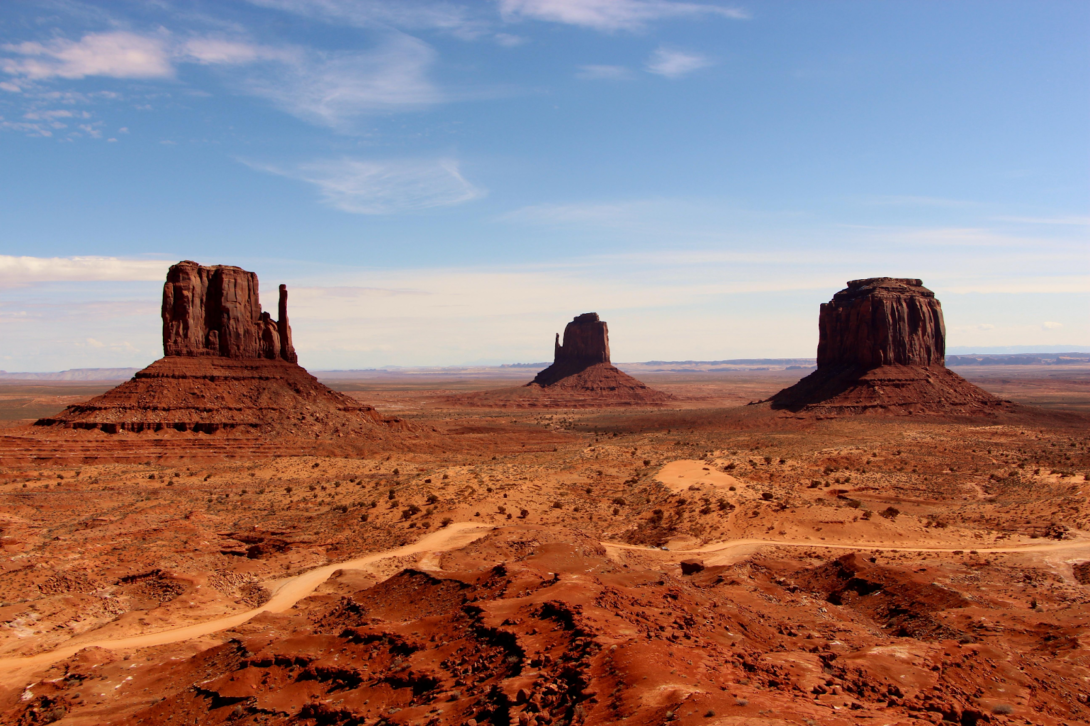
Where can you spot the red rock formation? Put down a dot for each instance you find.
(581, 376)
(216, 311)
(228, 366)
(882, 321)
(881, 349)
(586, 343)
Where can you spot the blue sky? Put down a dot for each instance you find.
(443, 183)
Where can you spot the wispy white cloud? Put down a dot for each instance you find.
(675, 63)
(603, 73)
(384, 187)
(24, 270)
(221, 51)
(1051, 325)
(332, 89)
(118, 54)
(507, 40)
(329, 89)
(612, 15)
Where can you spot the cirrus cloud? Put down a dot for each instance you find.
(675, 63)
(384, 187)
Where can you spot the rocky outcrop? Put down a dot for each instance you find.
(881, 349)
(581, 376)
(882, 321)
(586, 343)
(216, 311)
(228, 367)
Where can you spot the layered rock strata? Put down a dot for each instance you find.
(581, 376)
(228, 366)
(881, 349)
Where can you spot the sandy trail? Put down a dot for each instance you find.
(288, 593)
(458, 534)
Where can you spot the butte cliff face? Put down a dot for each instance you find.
(228, 366)
(882, 321)
(215, 311)
(586, 343)
(882, 348)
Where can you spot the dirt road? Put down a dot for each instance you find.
(16, 670)
(289, 592)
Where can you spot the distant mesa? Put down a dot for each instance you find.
(882, 349)
(228, 366)
(581, 376)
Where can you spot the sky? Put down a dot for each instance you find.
(448, 183)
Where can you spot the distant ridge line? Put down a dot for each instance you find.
(963, 359)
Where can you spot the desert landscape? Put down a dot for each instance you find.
(226, 539)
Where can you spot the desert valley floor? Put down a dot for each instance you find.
(706, 562)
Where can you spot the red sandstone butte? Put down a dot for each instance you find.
(882, 349)
(586, 343)
(215, 311)
(581, 376)
(228, 367)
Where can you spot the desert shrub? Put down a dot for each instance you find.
(619, 501)
(1002, 708)
(867, 514)
(890, 513)
(616, 511)
(446, 522)
(432, 499)
(524, 513)
(410, 511)
(853, 503)
(390, 494)
(556, 505)
(363, 517)
(767, 496)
